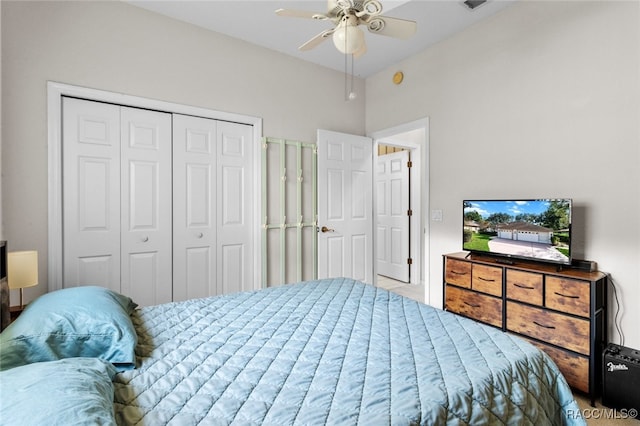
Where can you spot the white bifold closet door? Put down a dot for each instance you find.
(212, 201)
(155, 205)
(117, 206)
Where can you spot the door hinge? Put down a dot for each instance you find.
(409, 261)
(409, 212)
(409, 164)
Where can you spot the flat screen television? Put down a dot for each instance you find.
(536, 229)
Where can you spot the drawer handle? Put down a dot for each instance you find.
(486, 279)
(458, 273)
(524, 286)
(472, 305)
(544, 326)
(567, 295)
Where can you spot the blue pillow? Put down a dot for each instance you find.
(73, 391)
(74, 322)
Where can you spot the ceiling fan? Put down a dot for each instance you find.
(346, 16)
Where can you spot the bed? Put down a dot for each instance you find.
(331, 351)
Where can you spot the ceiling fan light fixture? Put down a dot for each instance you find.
(348, 39)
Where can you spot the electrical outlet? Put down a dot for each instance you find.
(436, 215)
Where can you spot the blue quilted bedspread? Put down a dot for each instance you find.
(332, 352)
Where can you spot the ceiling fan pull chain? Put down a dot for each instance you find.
(352, 92)
(346, 88)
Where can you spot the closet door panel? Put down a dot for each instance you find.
(91, 194)
(194, 219)
(146, 205)
(233, 261)
(98, 270)
(235, 207)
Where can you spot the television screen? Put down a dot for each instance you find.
(527, 229)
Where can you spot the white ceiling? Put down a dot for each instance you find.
(255, 21)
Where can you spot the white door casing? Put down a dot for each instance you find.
(194, 215)
(345, 210)
(414, 136)
(392, 225)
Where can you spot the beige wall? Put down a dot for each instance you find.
(117, 47)
(542, 100)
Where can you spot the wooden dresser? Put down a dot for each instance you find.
(560, 310)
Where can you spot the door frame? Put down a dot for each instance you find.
(55, 92)
(419, 193)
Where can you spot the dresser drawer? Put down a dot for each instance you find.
(524, 286)
(568, 295)
(458, 272)
(487, 279)
(574, 368)
(558, 329)
(474, 305)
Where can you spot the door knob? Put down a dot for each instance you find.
(325, 229)
(200, 235)
(145, 239)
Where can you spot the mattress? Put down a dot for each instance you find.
(332, 351)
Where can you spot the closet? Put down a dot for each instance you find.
(156, 205)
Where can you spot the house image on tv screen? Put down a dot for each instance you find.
(524, 231)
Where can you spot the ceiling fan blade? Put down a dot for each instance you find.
(392, 27)
(301, 14)
(316, 40)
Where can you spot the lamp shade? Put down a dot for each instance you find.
(22, 269)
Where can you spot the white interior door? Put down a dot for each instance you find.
(345, 210)
(392, 227)
(194, 221)
(234, 201)
(91, 194)
(146, 265)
